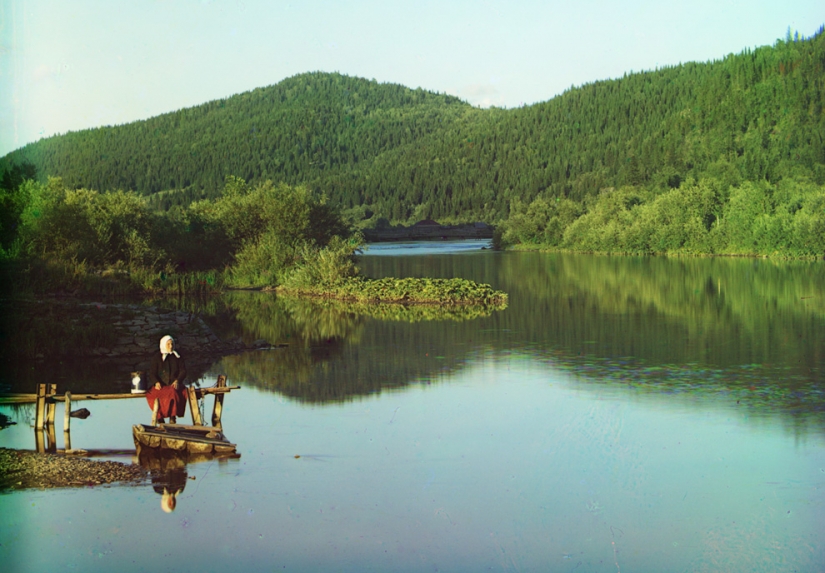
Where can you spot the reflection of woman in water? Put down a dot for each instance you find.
(169, 485)
(166, 375)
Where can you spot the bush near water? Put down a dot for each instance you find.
(252, 236)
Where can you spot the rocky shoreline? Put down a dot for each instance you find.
(21, 469)
(134, 330)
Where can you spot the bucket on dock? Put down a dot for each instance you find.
(138, 383)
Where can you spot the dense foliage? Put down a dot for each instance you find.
(250, 236)
(705, 217)
(386, 150)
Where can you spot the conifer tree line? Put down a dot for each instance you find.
(716, 135)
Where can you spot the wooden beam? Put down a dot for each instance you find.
(79, 397)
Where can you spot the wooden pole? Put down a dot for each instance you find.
(155, 409)
(217, 409)
(50, 405)
(40, 408)
(193, 407)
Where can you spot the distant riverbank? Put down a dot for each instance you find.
(428, 230)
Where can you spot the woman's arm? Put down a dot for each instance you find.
(181, 371)
(154, 370)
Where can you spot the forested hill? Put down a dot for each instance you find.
(300, 129)
(411, 154)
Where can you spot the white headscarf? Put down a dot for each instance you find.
(163, 342)
(168, 501)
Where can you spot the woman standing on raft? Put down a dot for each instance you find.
(166, 376)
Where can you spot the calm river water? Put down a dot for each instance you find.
(622, 414)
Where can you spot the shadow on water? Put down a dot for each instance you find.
(169, 475)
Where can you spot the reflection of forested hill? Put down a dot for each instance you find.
(632, 347)
(412, 154)
(750, 330)
(718, 312)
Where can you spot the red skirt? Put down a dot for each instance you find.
(172, 402)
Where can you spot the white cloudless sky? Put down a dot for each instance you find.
(67, 65)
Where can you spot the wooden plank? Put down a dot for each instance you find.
(40, 408)
(185, 428)
(194, 408)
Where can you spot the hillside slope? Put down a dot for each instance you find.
(411, 154)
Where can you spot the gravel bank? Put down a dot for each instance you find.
(23, 469)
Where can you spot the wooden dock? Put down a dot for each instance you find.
(46, 399)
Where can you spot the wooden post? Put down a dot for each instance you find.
(217, 409)
(193, 407)
(52, 440)
(67, 416)
(155, 409)
(40, 407)
(38, 441)
(50, 406)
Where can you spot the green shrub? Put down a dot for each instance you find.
(99, 228)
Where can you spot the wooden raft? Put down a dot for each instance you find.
(181, 438)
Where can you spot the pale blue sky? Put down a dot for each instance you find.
(69, 65)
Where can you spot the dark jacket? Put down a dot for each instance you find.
(166, 371)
